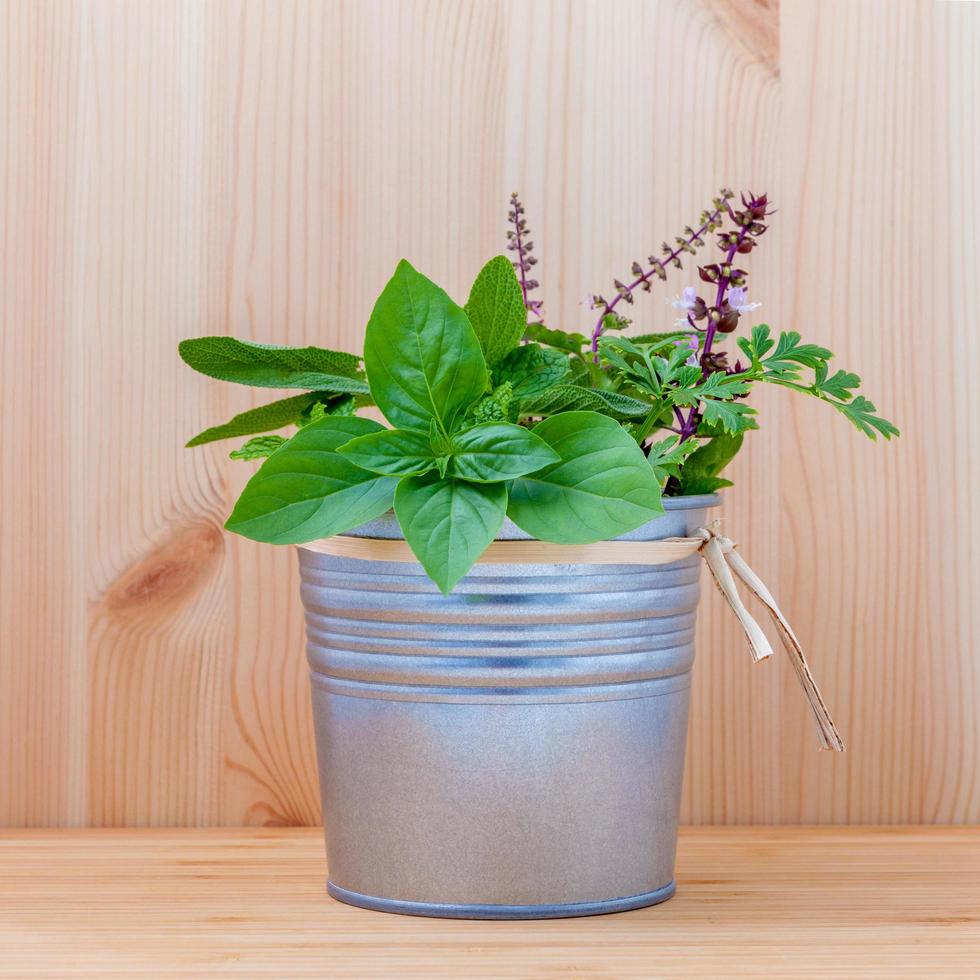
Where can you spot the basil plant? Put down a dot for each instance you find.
(493, 414)
(451, 463)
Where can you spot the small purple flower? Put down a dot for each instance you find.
(692, 342)
(738, 299)
(686, 302)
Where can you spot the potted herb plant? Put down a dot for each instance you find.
(505, 738)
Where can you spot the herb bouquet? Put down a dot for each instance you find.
(514, 749)
(493, 413)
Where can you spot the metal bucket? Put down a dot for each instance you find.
(513, 750)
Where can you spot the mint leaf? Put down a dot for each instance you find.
(398, 452)
(448, 523)
(423, 359)
(602, 487)
(531, 369)
(307, 490)
(496, 309)
(570, 343)
(498, 451)
(258, 448)
(286, 411)
(495, 407)
(271, 366)
(665, 457)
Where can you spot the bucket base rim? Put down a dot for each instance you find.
(454, 911)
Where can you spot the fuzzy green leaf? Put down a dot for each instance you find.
(531, 369)
(498, 451)
(448, 523)
(423, 359)
(496, 309)
(307, 490)
(573, 398)
(286, 411)
(602, 487)
(271, 366)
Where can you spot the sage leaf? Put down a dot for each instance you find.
(307, 490)
(602, 487)
(422, 357)
(270, 366)
(496, 309)
(498, 451)
(398, 452)
(569, 397)
(286, 411)
(448, 523)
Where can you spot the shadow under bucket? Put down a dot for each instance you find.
(514, 750)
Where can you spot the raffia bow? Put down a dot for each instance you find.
(718, 552)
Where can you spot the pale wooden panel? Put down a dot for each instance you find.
(880, 164)
(179, 168)
(750, 902)
(43, 703)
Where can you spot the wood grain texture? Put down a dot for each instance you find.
(750, 902)
(179, 168)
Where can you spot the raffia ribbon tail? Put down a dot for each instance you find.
(722, 559)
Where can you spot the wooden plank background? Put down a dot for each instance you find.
(179, 167)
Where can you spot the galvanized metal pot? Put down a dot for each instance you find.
(513, 750)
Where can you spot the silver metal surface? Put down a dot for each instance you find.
(512, 750)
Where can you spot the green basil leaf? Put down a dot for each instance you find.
(602, 488)
(498, 451)
(271, 366)
(448, 523)
(531, 369)
(398, 452)
(307, 490)
(496, 309)
(286, 411)
(422, 357)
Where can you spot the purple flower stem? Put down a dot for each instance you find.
(607, 308)
(529, 305)
(690, 424)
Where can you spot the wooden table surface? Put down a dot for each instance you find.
(782, 902)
